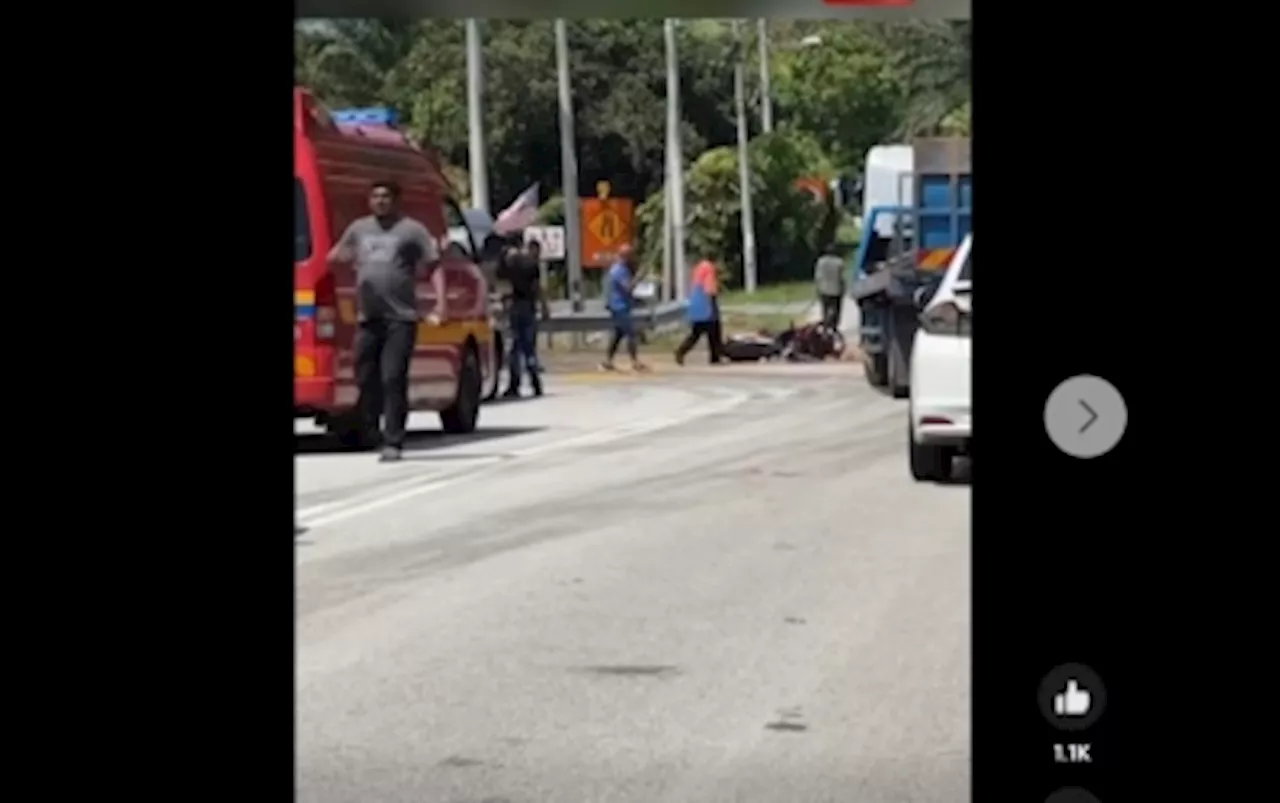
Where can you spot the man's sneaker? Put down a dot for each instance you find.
(679, 358)
(607, 366)
(537, 389)
(511, 393)
(390, 454)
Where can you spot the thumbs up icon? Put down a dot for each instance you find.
(1072, 701)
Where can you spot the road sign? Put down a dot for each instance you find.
(551, 238)
(606, 226)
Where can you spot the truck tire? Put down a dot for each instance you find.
(876, 369)
(898, 378)
(460, 417)
(928, 463)
(495, 382)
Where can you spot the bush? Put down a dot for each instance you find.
(791, 227)
(460, 180)
(551, 213)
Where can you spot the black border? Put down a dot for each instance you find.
(1059, 195)
(183, 637)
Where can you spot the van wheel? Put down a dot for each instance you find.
(461, 416)
(495, 382)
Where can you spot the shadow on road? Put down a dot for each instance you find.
(417, 442)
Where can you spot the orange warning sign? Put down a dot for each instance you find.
(606, 226)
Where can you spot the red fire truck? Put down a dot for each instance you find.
(337, 156)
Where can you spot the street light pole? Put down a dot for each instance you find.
(766, 93)
(744, 167)
(668, 270)
(477, 165)
(569, 170)
(675, 163)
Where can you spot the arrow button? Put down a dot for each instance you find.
(1099, 429)
(1093, 416)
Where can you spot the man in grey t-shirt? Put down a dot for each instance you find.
(388, 249)
(828, 280)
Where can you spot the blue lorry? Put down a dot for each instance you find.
(917, 209)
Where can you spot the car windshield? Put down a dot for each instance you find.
(301, 226)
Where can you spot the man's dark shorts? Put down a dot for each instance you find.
(622, 323)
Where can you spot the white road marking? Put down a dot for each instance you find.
(307, 515)
(333, 512)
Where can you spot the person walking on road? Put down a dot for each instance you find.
(388, 250)
(703, 313)
(620, 287)
(521, 270)
(828, 278)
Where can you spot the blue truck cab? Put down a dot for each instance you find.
(917, 210)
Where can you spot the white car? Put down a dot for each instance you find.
(941, 408)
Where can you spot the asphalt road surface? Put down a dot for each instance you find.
(695, 587)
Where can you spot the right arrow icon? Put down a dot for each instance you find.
(1085, 416)
(1093, 416)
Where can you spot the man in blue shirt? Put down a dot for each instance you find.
(619, 288)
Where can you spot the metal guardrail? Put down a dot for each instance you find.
(600, 321)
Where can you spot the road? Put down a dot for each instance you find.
(800, 311)
(696, 587)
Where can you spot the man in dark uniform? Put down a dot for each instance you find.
(521, 270)
(388, 250)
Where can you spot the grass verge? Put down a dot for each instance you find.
(783, 293)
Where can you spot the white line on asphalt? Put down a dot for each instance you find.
(310, 513)
(320, 515)
(386, 501)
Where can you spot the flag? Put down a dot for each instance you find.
(521, 214)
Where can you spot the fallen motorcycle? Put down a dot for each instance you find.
(812, 342)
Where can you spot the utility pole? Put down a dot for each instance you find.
(569, 171)
(766, 92)
(668, 270)
(675, 163)
(478, 167)
(744, 167)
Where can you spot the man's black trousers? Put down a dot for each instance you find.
(383, 351)
(709, 329)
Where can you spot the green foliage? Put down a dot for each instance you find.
(958, 123)
(461, 181)
(551, 213)
(790, 225)
(843, 92)
(839, 87)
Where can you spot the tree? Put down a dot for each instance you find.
(791, 226)
(862, 84)
(933, 63)
(843, 92)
